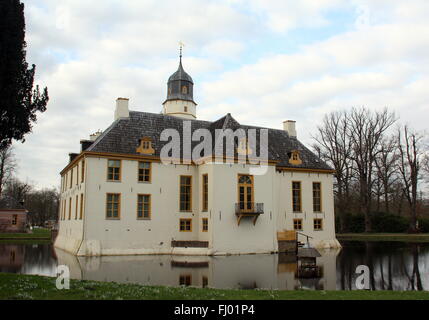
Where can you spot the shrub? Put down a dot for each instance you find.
(355, 223)
(383, 222)
(424, 225)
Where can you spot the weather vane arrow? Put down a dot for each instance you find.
(181, 45)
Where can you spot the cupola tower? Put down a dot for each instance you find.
(180, 94)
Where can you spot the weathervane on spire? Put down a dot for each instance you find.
(181, 45)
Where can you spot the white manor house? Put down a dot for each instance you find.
(119, 198)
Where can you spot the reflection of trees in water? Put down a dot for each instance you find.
(393, 266)
(27, 258)
(38, 259)
(415, 281)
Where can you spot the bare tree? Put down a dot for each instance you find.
(366, 131)
(43, 205)
(386, 162)
(7, 167)
(425, 164)
(410, 158)
(16, 192)
(333, 146)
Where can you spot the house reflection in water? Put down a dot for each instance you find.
(11, 258)
(237, 272)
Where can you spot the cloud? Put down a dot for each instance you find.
(284, 15)
(239, 54)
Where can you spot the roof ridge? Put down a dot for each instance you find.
(103, 134)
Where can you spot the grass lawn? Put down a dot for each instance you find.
(38, 234)
(26, 287)
(421, 237)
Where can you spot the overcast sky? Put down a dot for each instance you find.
(262, 61)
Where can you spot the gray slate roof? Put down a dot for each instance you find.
(177, 82)
(180, 74)
(124, 135)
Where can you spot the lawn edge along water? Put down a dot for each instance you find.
(28, 287)
(402, 237)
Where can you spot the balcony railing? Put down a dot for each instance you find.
(251, 208)
(248, 209)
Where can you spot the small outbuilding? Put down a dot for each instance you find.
(13, 220)
(307, 266)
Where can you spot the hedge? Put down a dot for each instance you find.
(381, 222)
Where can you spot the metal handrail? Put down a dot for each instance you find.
(255, 208)
(305, 235)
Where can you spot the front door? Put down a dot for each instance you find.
(245, 193)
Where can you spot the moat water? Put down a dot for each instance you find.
(393, 266)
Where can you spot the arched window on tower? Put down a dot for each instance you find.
(186, 109)
(184, 89)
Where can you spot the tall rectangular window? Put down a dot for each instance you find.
(64, 209)
(185, 225)
(77, 174)
(296, 196)
(15, 219)
(317, 197)
(70, 207)
(185, 193)
(63, 205)
(82, 174)
(113, 170)
(81, 207)
(76, 207)
(245, 193)
(205, 224)
(205, 192)
(71, 178)
(113, 205)
(143, 206)
(144, 171)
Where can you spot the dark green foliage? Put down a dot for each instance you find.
(424, 225)
(19, 102)
(380, 221)
(355, 223)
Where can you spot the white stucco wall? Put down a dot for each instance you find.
(96, 235)
(70, 233)
(128, 235)
(323, 238)
(229, 237)
(177, 108)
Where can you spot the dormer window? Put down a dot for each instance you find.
(185, 90)
(145, 146)
(243, 147)
(294, 158)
